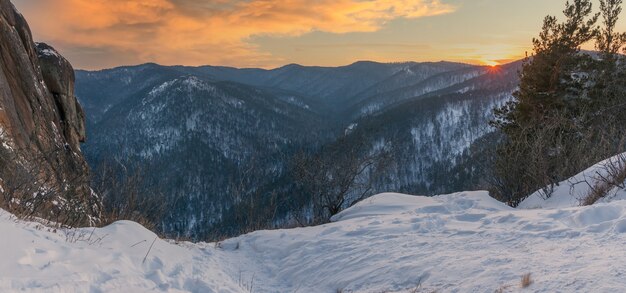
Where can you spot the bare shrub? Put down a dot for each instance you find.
(254, 206)
(503, 288)
(537, 158)
(74, 235)
(339, 176)
(540, 158)
(31, 189)
(127, 196)
(611, 176)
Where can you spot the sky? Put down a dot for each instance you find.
(96, 34)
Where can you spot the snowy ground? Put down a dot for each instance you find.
(464, 242)
(571, 192)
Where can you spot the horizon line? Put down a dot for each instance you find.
(499, 63)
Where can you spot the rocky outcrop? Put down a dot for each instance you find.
(58, 75)
(42, 170)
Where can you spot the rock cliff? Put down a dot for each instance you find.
(42, 170)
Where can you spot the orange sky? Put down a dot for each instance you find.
(95, 34)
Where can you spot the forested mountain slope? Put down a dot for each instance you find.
(200, 130)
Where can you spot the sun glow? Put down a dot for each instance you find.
(491, 63)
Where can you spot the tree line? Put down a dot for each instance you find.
(568, 112)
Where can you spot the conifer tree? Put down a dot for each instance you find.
(609, 42)
(540, 123)
(609, 96)
(548, 79)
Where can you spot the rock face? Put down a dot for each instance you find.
(58, 75)
(42, 170)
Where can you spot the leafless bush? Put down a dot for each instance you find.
(30, 189)
(254, 207)
(538, 158)
(339, 177)
(127, 196)
(611, 176)
(74, 235)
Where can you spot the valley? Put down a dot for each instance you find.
(198, 129)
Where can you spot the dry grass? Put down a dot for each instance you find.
(616, 177)
(502, 288)
(417, 289)
(526, 280)
(600, 190)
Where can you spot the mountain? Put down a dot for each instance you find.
(42, 170)
(368, 104)
(333, 86)
(433, 133)
(217, 136)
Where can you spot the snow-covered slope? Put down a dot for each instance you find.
(111, 259)
(463, 242)
(573, 191)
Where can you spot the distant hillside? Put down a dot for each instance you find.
(200, 130)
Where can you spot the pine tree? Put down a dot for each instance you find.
(548, 78)
(608, 41)
(541, 123)
(609, 96)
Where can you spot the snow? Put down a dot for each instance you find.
(295, 101)
(160, 89)
(572, 191)
(5, 140)
(110, 259)
(462, 242)
(192, 83)
(350, 128)
(48, 52)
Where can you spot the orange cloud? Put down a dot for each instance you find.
(201, 31)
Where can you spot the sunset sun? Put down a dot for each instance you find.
(491, 63)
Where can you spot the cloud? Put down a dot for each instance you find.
(203, 31)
